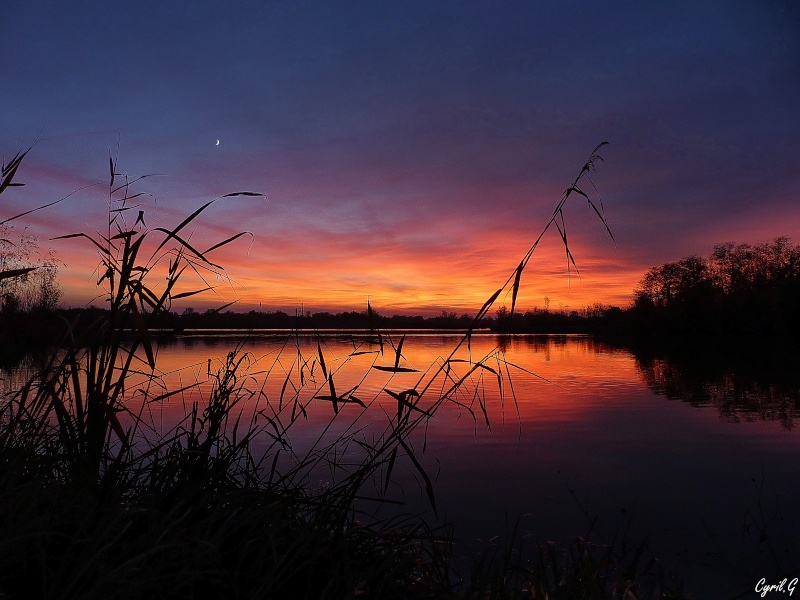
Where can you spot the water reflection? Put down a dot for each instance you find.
(746, 383)
(23, 368)
(574, 414)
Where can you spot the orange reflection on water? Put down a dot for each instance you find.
(564, 413)
(488, 378)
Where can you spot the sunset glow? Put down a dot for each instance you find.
(406, 155)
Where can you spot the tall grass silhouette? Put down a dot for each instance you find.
(97, 500)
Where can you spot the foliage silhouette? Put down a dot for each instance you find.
(740, 289)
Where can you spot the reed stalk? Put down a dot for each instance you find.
(97, 502)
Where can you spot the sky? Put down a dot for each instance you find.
(408, 153)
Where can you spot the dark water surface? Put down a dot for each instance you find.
(705, 468)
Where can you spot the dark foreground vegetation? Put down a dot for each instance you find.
(98, 500)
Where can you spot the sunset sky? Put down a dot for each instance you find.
(409, 152)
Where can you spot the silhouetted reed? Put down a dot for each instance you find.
(97, 500)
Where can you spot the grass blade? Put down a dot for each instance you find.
(423, 474)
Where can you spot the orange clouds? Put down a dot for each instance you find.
(329, 272)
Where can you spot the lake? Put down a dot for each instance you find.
(552, 430)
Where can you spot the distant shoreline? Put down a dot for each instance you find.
(327, 331)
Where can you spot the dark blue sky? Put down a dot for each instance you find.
(411, 150)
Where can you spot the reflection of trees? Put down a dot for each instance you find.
(16, 371)
(762, 385)
(545, 344)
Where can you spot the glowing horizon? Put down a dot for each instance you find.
(409, 154)
(421, 270)
(403, 266)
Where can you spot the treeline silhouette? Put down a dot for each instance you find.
(740, 289)
(367, 319)
(598, 318)
(22, 331)
(25, 330)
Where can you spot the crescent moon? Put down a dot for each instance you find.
(217, 144)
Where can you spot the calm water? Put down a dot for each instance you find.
(576, 429)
